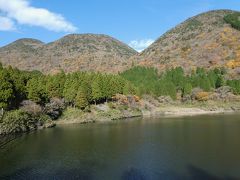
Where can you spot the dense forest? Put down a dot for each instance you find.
(29, 99)
(78, 89)
(173, 81)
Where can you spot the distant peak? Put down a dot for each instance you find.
(87, 35)
(28, 40)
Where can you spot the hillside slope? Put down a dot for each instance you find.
(205, 40)
(85, 52)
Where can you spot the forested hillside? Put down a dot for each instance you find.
(74, 52)
(209, 40)
(175, 81)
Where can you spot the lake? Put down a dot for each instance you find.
(200, 147)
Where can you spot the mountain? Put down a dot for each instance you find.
(209, 40)
(85, 52)
(205, 40)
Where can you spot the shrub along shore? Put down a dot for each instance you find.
(32, 100)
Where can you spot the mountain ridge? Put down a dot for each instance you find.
(73, 52)
(204, 40)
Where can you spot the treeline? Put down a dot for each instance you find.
(78, 89)
(31, 100)
(173, 81)
(233, 19)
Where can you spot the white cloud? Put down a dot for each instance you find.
(140, 45)
(23, 13)
(6, 24)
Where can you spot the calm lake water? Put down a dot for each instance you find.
(201, 147)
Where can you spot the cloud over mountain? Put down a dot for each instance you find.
(140, 45)
(23, 13)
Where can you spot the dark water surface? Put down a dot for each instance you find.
(201, 147)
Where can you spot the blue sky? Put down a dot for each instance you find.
(135, 22)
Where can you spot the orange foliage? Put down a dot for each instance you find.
(202, 96)
(233, 64)
(136, 98)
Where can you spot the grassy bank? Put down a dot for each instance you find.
(98, 113)
(191, 109)
(145, 108)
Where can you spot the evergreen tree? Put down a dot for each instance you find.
(55, 85)
(19, 80)
(96, 90)
(205, 83)
(86, 84)
(70, 90)
(171, 90)
(200, 71)
(129, 89)
(212, 76)
(36, 88)
(6, 89)
(235, 85)
(187, 89)
(81, 100)
(219, 81)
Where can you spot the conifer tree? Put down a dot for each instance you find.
(86, 84)
(187, 89)
(36, 88)
(6, 89)
(55, 85)
(96, 90)
(129, 89)
(70, 90)
(18, 80)
(81, 100)
(205, 83)
(105, 86)
(219, 81)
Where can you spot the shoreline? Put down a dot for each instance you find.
(145, 108)
(162, 112)
(166, 111)
(181, 112)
